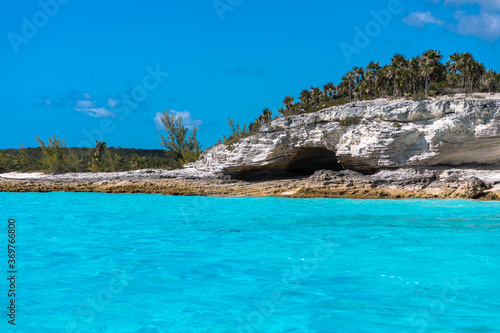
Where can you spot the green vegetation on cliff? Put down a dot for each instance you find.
(417, 78)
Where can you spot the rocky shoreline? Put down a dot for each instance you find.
(480, 183)
(440, 148)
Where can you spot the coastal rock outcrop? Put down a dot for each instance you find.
(447, 148)
(390, 134)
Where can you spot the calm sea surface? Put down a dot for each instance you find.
(91, 262)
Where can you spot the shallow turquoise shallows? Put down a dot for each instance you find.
(91, 262)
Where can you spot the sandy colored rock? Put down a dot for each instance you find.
(388, 184)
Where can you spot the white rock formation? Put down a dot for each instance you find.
(453, 131)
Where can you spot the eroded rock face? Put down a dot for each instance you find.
(391, 134)
(470, 188)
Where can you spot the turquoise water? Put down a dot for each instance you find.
(91, 262)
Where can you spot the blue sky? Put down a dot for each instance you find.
(87, 70)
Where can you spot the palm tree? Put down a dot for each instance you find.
(305, 96)
(392, 73)
(477, 71)
(398, 63)
(373, 67)
(458, 64)
(469, 67)
(414, 71)
(363, 88)
(100, 146)
(266, 115)
(371, 74)
(284, 112)
(452, 79)
(329, 89)
(95, 163)
(428, 65)
(315, 94)
(490, 80)
(402, 79)
(288, 102)
(454, 63)
(359, 74)
(342, 87)
(137, 162)
(383, 80)
(465, 65)
(349, 78)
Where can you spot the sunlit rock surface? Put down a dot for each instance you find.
(391, 134)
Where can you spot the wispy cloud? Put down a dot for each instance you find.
(187, 119)
(419, 19)
(84, 104)
(245, 71)
(112, 102)
(485, 4)
(485, 25)
(97, 112)
(466, 19)
(93, 106)
(92, 109)
(42, 101)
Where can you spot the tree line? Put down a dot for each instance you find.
(54, 156)
(181, 147)
(417, 78)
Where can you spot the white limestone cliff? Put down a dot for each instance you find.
(391, 134)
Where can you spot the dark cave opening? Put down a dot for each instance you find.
(310, 159)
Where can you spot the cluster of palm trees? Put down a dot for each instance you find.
(265, 117)
(238, 132)
(419, 76)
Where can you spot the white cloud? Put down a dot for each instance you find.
(157, 120)
(84, 104)
(92, 109)
(112, 102)
(86, 96)
(187, 119)
(419, 19)
(96, 112)
(485, 25)
(485, 4)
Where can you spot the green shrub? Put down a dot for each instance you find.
(324, 105)
(75, 163)
(5, 162)
(54, 154)
(183, 147)
(419, 97)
